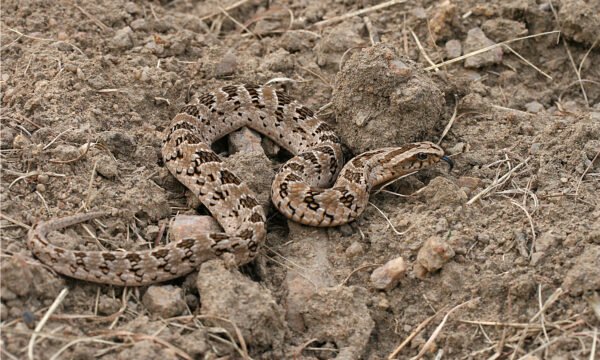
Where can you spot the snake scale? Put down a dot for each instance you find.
(311, 188)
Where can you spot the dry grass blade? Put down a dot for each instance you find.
(238, 333)
(414, 333)
(16, 222)
(533, 236)
(437, 330)
(527, 61)
(228, 8)
(422, 50)
(387, 219)
(44, 39)
(488, 48)
(244, 27)
(95, 20)
(359, 12)
(59, 299)
(357, 270)
(450, 123)
(585, 172)
(497, 182)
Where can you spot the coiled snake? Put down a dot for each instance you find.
(302, 189)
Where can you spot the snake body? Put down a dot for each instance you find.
(311, 188)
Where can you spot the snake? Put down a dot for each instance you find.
(314, 187)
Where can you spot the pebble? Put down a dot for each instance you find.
(387, 276)
(453, 49)
(43, 178)
(468, 182)
(107, 166)
(534, 107)
(164, 301)
(40, 188)
(118, 142)
(123, 39)
(546, 241)
(355, 249)
(476, 40)
(20, 141)
(227, 66)
(108, 305)
(535, 148)
(433, 255)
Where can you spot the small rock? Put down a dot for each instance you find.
(244, 140)
(227, 66)
(123, 39)
(43, 178)
(41, 188)
(118, 142)
(546, 241)
(468, 182)
(453, 49)
(442, 226)
(476, 40)
(7, 136)
(164, 301)
(20, 141)
(108, 305)
(195, 343)
(535, 148)
(106, 166)
(534, 107)
(192, 226)
(500, 29)
(3, 312)
(387, 276)
(139, 25)
(434, 254)
(152, 232)
(355, 249)
(584, 275)
(132, 8)
(535, 258)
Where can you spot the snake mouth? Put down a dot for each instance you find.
(449, 161)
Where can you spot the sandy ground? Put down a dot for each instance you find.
(499, 258)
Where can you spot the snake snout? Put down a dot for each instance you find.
(449, 161)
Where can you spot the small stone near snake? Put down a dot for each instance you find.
(164, 301)
(387, 276)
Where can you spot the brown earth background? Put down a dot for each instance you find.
(500, 256)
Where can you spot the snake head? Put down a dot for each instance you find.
(424, 154)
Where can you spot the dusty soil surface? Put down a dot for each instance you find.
(499, 258)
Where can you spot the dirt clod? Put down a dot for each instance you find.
(227, 294)
(388, 275)
(164, 301)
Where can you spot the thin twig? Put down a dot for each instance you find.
(44, 39)
(59, 299)
(449, 125)
(488, 48)
(437, 330)
(359, 12)
(16, 222)
(422, 50)
(414, 333)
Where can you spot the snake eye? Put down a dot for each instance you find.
(422, 156)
